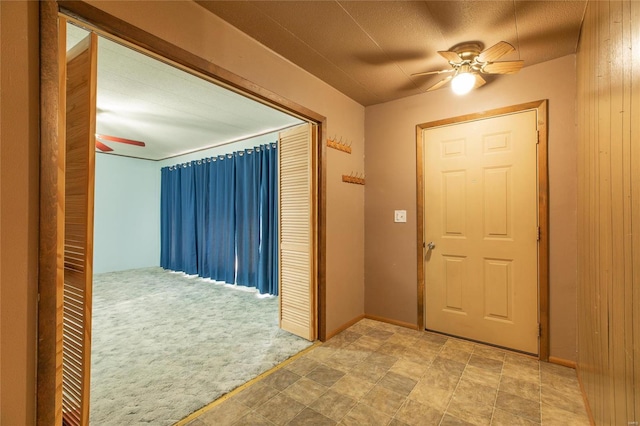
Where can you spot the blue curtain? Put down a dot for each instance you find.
(224, 221)
(170, 219)
(267, 279)
(201, 180)
(188, 213)
(165, 219)
(177, 219)
(247, 219)
(219, 218)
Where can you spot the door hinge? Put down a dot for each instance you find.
(539, 329)
(537, 137)
(538, 234)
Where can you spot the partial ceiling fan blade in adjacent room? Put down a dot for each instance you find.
(120, 140)
(102, 147)
(440, 84)
(495, 52)
(505, 67)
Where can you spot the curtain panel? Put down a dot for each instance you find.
(218, 218)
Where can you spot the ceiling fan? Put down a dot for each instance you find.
(468, 61)
(101, 139)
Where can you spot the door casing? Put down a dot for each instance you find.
(543, 210)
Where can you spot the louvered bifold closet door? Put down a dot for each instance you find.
(78, 234)
(297, 185)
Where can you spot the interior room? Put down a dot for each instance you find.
(142, 222)
(352, 65)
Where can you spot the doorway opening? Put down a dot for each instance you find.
(53, 194)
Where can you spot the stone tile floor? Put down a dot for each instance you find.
(376, 373)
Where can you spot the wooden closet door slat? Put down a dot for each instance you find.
(78, 251)
(297, 232)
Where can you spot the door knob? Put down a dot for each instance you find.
(430, 245)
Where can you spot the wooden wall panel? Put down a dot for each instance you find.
(608, 79)
(634, 154)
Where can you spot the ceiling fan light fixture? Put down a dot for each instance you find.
(463, 82)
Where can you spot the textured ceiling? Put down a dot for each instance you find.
(369, 49)
(172, 111)
(365, 49)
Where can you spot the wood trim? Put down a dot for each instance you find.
(543, 223)
(394, 322)
(196, 414)
(543, 208)
(562, 361)
(587, 406)
(420, 227)
(484, 114)
(51, 221)
(322, 230)
(344, 326)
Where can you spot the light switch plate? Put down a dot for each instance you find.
(400, 216)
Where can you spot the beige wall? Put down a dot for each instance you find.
(608, 73)
(18, 210)
(191, 27)
(390, 133)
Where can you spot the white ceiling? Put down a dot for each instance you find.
(172, 111)
(369, 49)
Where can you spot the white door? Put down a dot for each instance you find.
(480, 202)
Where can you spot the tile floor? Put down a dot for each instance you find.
(379, 374)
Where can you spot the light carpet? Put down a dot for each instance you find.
(165, 345)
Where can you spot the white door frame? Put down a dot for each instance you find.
(543, 210)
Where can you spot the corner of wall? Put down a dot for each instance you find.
(19, 203)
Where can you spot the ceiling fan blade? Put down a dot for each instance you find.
(450, 56)
(120, 140)
(440, 83)
(495, 52)
(102, 147)
(505, 67)
(431, 72)
(479, 81)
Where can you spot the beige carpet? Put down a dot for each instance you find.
(164, 344)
